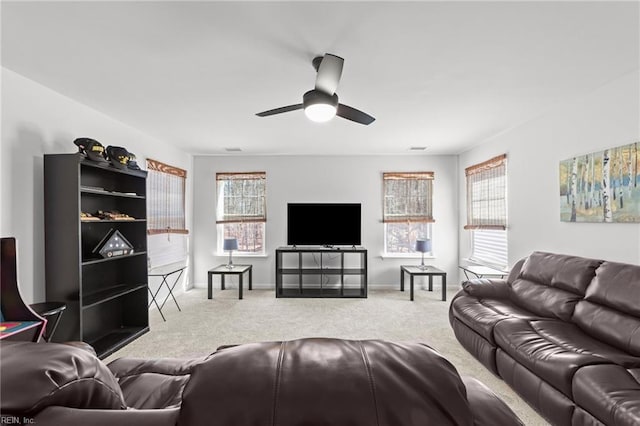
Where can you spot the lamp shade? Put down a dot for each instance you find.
(423, 246)
(230, 244)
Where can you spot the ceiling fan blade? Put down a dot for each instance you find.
(353, 114)
(329, 73)
(280, 110)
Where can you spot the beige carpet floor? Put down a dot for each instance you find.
(206, 324)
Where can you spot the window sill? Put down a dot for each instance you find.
(488, 265)
(240, 255)
(405, 256)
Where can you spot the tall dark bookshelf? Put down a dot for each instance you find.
(106, 297)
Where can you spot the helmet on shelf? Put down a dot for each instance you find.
(118, 156)
(91, 148)
(133, 164)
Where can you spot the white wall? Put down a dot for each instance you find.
(607, 117)
(349, 179)
(37, 121)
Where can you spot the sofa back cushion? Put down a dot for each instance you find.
(550, 284)
(39, 375)
(325, 382)
(610, 311)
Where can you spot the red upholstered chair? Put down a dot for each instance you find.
(17, 320)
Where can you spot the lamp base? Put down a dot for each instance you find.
(422, 266)
(230, 266)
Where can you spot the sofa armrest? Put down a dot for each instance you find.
(487, 288)
(488, 409)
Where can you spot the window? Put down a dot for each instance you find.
(487, 211)
(407, 211)
(165, 198)
(241, 210)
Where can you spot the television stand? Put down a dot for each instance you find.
(321, 272)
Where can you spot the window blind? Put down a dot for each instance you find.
(490, 247)
(408, 197)
(487, 194)
(165, 198)
(241, 197)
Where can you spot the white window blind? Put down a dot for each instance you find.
(242, 209)
(165, 198)
(487, 194)
(489, 246)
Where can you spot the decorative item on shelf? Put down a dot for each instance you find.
(113, 244)
(133, 164)
(423, 246)
(114, 215)
(86, 217)
(118, 156)
(230, 244)
(91, 149)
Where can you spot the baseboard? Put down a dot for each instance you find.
(266, 286)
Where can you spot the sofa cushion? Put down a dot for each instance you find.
(554, 350)
(481, 315)
(328, 382)
(570, 273)
(153, 383)
(550, 285)
(611, 311)
(616, 285)
(609, 392)
(38, 375)
(609, 325)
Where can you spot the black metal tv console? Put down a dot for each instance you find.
(321, 272)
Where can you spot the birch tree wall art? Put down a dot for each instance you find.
(601, 186)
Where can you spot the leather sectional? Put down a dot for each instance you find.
(301, 382)
(564, 332)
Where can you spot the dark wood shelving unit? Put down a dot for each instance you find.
(111, 259)
(98, 191)
(106, 298)
(314, 267)
(104, 295)
(117, 338)
(113, 221)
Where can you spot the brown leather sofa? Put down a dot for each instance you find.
(301, 382)
(564, 332)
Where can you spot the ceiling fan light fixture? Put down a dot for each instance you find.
(319, 106)
(320, 112)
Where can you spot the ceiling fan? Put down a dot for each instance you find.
(321, 104)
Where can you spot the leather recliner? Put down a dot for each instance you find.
(564, 332)
(300, 382)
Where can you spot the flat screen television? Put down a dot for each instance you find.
(323, 224)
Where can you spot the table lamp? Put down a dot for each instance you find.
(230, 244)
(423, 246)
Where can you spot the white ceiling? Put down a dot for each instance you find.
(443, 75)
